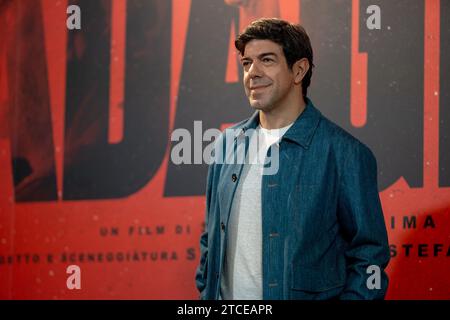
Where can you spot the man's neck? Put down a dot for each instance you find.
(281, 117)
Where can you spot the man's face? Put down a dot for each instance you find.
(267, 77)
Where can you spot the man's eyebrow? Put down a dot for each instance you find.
(260, 56)
(265, 54)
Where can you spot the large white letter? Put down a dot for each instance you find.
(373, 21)
(374, 281)
(74, 20)
(184, 146)
(74, 281)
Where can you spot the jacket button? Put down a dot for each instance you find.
(222, 225)
(234, 177)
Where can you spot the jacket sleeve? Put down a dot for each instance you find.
(202, 269)
(362, 221)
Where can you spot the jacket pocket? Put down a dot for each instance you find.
(315, 283)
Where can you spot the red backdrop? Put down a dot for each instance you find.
(144, 244)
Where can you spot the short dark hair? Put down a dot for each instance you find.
(291, 37)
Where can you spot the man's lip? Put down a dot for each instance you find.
(259, 87)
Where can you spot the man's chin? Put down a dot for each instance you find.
(258, 105)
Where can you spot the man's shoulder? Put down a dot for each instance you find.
(340, 139)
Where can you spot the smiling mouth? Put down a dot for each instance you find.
(259, 87)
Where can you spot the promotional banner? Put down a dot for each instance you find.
(92, 203)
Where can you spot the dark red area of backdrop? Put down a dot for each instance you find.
(86, 117)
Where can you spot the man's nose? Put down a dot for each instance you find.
(254, 70)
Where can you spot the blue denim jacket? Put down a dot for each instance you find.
(322, 221)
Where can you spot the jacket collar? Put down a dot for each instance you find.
(303, 129)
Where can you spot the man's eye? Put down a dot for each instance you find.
(267, 60)
(245, 63)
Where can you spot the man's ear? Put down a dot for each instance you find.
(300, 68)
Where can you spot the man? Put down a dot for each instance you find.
(315, 228)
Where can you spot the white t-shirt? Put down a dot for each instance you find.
(242, 271)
